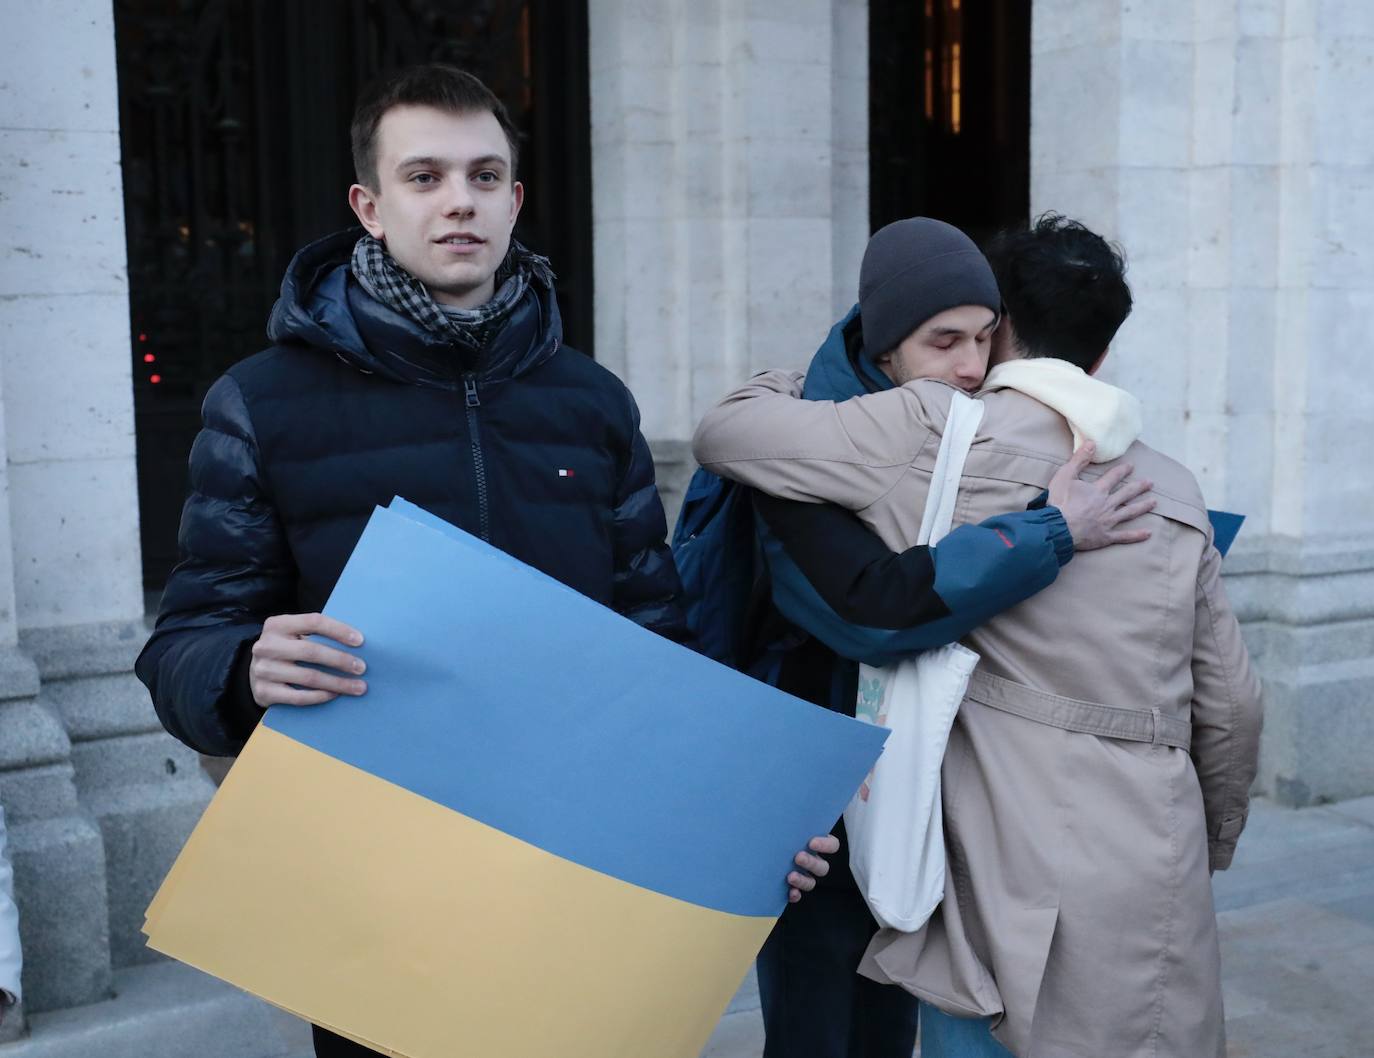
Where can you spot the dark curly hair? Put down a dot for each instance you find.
(1064, 287)
(432, 85)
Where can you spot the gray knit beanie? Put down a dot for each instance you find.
(914, 269)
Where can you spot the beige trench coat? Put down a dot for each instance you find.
(1103, 756)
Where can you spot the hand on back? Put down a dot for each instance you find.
(1097, 511)
(278, 673)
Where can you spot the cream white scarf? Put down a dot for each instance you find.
(1096, 411)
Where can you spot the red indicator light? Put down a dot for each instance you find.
(155, 379)
(142, 337)
(148, 358)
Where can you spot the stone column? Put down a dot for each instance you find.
(730, 206)
(1217, 143)
(98, 797)
(1319, 607)
(54, 846)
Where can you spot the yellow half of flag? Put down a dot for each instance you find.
(377, 910)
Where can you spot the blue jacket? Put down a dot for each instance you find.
(980, 570)
(355, 404)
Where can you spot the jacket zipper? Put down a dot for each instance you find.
(478, 463)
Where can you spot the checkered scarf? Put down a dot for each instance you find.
(378, 273)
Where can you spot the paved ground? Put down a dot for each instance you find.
(1297, 929)
(1297, 933)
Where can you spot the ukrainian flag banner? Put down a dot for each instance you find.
(543, 831)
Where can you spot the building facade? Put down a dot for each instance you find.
(730, 157)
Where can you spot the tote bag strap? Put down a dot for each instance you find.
(965, 414)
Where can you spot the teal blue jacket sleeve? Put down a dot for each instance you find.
(980, 570)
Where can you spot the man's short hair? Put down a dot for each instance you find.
(435, 85)
(1064, 288)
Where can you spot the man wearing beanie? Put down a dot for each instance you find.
(923, 278)
(913, 270)
(1099, 765)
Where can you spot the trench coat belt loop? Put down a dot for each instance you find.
(1150, 725)
(1157, 734)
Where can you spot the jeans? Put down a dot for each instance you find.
(945, 1036)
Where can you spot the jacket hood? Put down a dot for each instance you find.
(839, 370)
(322, 306)
(1109, 417)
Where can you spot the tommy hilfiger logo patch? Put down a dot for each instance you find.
(562, 473)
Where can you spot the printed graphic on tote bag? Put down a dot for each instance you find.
(871, 708)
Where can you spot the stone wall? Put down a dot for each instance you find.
(729, 184)
(1220, 141)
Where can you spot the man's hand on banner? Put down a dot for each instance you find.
(278, 673)
(812, 867)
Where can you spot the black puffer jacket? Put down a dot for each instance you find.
(353, 405)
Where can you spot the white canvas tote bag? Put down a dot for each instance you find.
(896, 833)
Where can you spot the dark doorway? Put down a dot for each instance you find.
(234, 128)
(949, 112)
